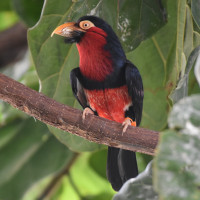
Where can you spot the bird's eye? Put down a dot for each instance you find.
(86, 24)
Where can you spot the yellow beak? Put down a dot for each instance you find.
(67, 29)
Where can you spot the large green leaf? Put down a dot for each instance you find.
(189, 56)
(139, 188)
(28, 10)
(160, 69)
(177, 165)
(137, 21)
(74, 142)
(195, 11)
(54, 59)
(167, 64)
(98, 162)
(5, 5)
(28, 154)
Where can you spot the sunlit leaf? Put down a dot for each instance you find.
(188, 34)
(84, 183)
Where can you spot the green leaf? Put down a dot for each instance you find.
(138, 21)
(8, 132)
(28, 10)
(10, 114)
(177, 165)
(197, 68)
(188, 34)
(191, 116)
(84, 183)
(74, 142)
(181, 17)
(195, 11)
(98, 162)
(142, 161)
(7, 19)
(30, 79)
(196, 39)
(5, 5)
(139, 188)
(27, 155)
(25, 75)
(182, 87)
(161, 67)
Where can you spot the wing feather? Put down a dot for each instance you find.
(77, 88)
(135, 89)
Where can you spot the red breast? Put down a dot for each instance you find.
(95, 62)
(110, 103)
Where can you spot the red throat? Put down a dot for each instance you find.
(95, 61)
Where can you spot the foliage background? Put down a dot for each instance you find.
(162, 39)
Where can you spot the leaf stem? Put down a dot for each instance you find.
(48, 190)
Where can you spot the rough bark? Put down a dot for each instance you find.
(94, 128)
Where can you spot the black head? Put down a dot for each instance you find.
(75, 32)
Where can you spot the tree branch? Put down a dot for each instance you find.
(94, 128)
(57, 178)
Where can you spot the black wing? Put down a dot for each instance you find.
(77, 87)
(135, 90)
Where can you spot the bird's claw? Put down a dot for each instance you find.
(128, 121)
(87, 111)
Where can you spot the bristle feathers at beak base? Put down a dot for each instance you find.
(70, 31)
(67, 29)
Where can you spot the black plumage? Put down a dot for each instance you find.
(121, 164)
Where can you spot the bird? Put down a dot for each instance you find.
(106, 84)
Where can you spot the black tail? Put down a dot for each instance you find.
(121, 166)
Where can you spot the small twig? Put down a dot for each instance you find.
(57, 178)
(74, 186)
(95, 129)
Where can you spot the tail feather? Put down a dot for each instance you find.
(121, 166)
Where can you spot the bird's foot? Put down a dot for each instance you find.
(128, 121)
(87, 111)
